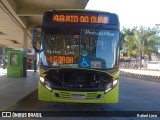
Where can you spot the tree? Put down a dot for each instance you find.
(128, 40)
(141, 41)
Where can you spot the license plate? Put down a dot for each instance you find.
(78, 96)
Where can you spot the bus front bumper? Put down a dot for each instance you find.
(78, 97)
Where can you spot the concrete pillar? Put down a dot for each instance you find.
(25, 43)
(3, 52)
(4, 61)
(25, 39)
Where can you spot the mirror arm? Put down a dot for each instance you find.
(34, 38)
(37, 50)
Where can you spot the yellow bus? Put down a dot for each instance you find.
(79, 56)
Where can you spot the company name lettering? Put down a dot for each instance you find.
(101, 33)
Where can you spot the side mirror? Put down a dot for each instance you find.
(35, 39)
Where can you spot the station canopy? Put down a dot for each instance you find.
(17, 16)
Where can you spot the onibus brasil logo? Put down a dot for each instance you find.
(21, 114)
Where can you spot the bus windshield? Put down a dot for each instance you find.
(88, 48)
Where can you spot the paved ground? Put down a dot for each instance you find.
(3, 71)
(135, 97)
(14, 89)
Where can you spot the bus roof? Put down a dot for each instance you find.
(85, 10)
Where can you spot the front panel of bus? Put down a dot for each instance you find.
(79, 57)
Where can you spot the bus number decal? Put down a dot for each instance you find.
(67, 18)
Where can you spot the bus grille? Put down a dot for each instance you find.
(67, 95)
(91, 96)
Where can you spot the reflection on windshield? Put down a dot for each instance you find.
(102, 47)
(92, 48)
(61, 44)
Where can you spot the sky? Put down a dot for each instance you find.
(131, 12)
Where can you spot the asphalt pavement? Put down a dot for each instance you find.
(14, 89)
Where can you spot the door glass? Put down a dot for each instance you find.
(14, 59)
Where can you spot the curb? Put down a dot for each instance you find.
(140, 76)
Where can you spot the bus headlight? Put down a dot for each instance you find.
(115, 82)
(108, 87)
(42, 79)
(111, 85)
(48, 85)
(45, 83)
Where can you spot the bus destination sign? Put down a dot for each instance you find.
(78, 18)
(60, 59)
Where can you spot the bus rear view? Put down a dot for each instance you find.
(79, 56)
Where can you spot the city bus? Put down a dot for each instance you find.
(78, 56)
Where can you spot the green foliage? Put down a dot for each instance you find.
(140, 40)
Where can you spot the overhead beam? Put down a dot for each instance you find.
(30, 12)
(36, 11)
(12, 11)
